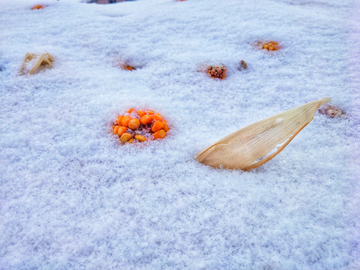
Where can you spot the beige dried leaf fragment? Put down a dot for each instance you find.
(254, 145)
(44, 59)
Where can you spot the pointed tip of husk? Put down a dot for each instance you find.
(325, 100)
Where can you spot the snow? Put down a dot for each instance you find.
(72, 197)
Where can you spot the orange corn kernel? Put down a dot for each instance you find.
(158, 117)
(131, 110)
(125, 120)
(141, 113)
(150, 112)
(146, 119)
(134, 123)
(115, 130)
(38, 7)
(131, 140)
(118, 121)
(166, 127)
(160, 134)
(127, 67)
(125, 137)
(157, 126)
(140, 138)
(121, 130)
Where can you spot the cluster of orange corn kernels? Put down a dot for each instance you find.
(218, 72)
(140, 126)
(269, 45)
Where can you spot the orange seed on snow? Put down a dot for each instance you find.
(158, 117)
(157, 126)
(37, 7)
(127, 67)
(125, 120)
(115, 130)
(125, 137)
(134, 123)
(121, 130)
(140, 138)
(118, 121)
(166, 127)
(141, 113)
(160, 134)
(146, 119)
(150, 112)
(131, 140)
(131, 110)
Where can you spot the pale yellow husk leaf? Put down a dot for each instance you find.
(254, 145)
(44, 59)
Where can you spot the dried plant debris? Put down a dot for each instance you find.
(242, 65)
(331, 111)
(140, 126)
(33, 61)
(268, 45)
(216, 72)
(254, 145)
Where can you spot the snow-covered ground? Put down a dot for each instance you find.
(71, 197)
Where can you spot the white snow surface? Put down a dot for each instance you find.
(71, 197)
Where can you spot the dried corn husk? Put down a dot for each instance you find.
(44, 59)
(254, 145)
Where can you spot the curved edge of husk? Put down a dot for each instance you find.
(28, 56)
(44, 59)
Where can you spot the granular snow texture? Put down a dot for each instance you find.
(72, 197)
